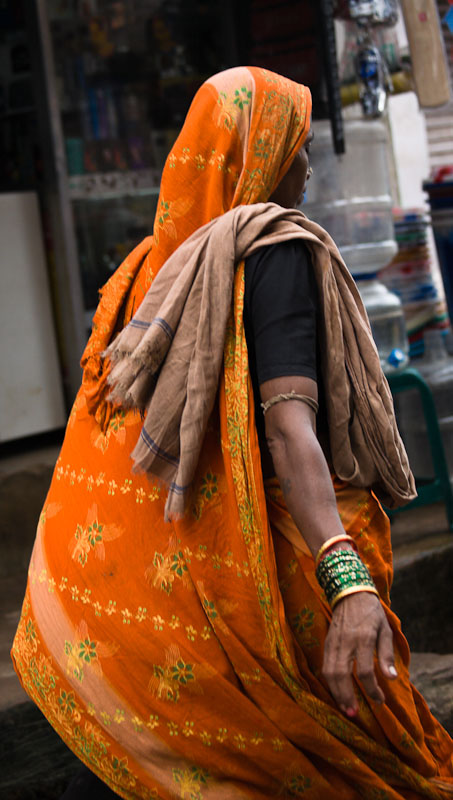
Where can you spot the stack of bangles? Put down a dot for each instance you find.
(342, 572)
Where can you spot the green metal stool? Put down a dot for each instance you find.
(430, 490)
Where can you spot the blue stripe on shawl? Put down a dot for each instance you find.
(138, 323)
(154, 447)
(162, 323)
(178, 489)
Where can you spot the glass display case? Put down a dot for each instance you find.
(125, 73)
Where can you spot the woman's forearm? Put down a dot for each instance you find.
(299, 461)
(304, 476)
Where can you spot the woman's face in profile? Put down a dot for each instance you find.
(291, 188)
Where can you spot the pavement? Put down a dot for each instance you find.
(25, 471)
(421, 596)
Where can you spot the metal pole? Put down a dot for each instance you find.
(57, 203)
(331, 74)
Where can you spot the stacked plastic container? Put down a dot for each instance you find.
(440, 194)
(410, 276)
(350, 197)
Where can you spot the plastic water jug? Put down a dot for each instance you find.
(387, 321)
(350, 195)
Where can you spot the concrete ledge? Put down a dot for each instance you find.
(422, 597)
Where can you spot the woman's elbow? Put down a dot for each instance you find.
(277, 441)
(286, 430)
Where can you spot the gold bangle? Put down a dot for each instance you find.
(342, 537)
(361, 587)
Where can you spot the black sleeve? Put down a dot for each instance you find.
(280, 311)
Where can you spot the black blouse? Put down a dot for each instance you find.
(280, 317)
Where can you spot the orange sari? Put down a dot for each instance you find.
(184, 659)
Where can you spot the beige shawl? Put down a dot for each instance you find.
(167, 360)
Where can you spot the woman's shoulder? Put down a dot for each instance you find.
(278, 261)
(294, 249)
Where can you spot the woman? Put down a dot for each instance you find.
(199, 657)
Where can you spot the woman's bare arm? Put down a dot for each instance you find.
(359, 625)
(299, 461)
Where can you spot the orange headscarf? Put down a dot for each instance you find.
(241, 133)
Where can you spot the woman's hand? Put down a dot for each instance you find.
(359, 628)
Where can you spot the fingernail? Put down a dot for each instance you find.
(393, 672)
(351, 712)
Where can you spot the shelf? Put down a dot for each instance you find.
(110, 185)
(18, 112)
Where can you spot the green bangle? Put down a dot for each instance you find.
(342, 572)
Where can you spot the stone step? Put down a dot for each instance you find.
(422, 597)
(36, 764)
(432, 674)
